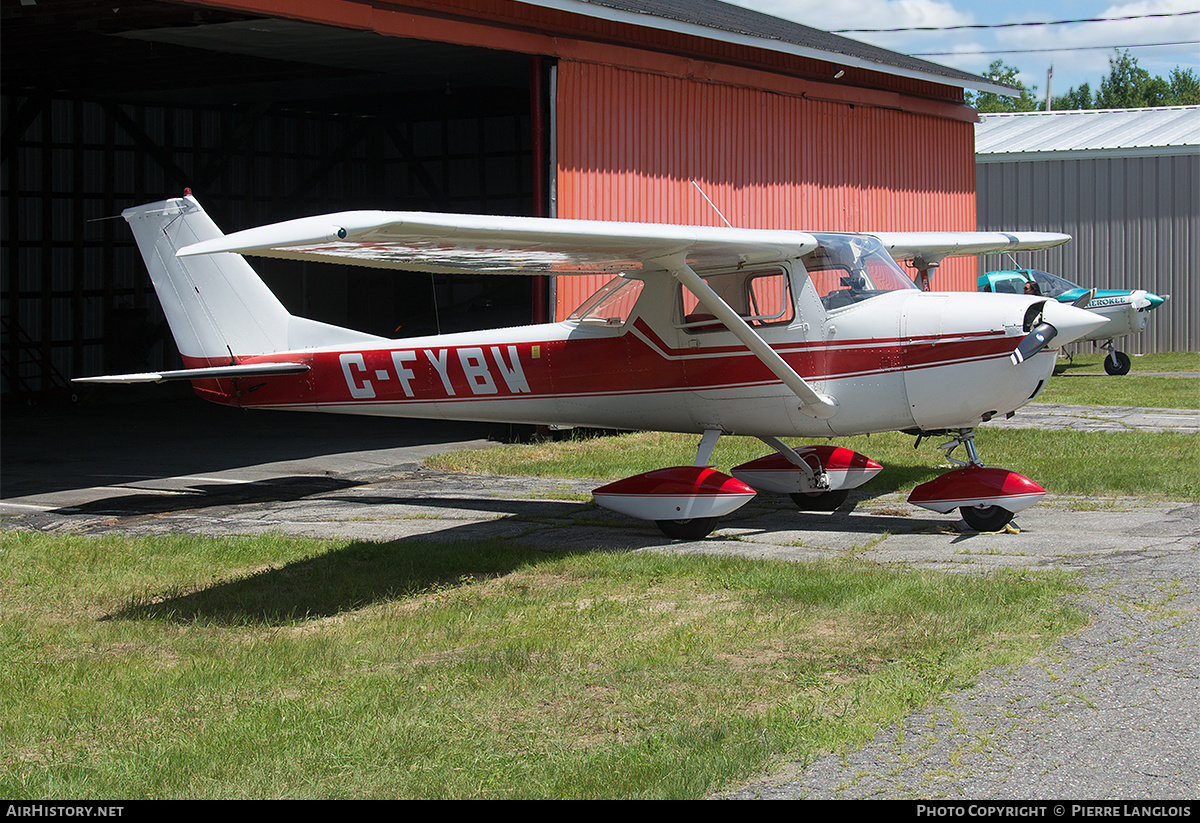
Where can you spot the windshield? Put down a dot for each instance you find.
(849, 268)
(1050, 284)
(1018, 282)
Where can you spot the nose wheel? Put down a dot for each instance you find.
(986, 518)
(1117, 363)
(987, 498)
(981, 518)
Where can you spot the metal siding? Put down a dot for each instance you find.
(1146, 132)
(1135, 223)
(635, 145)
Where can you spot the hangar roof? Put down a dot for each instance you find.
(1080, 134)
(154, 51)
(149, 49)
(765, 31)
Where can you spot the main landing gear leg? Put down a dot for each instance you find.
(821, 500)
(694, 528)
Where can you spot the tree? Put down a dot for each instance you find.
(1185, 87)
(1076, 98)
(989, 102)
(1127, 86)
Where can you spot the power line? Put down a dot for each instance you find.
(1060, 48)
(1014, 25)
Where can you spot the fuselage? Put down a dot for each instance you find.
(1126, 311)
(900, 360)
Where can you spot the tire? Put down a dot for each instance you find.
(1117, 363)
(696, 528)
(819, 501)
(986, 518)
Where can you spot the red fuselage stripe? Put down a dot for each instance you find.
(631, 364)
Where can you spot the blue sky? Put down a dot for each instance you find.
(1077, 52)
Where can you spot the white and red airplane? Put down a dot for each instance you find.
(706, 330)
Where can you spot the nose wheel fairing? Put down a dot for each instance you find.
(986, 497)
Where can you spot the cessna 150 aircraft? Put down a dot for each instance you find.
(707, 330)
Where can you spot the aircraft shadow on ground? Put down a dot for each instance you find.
(353, 577)
(361, 573)
(69, 448)
(848, 518)
(517, 507)
(275, 490)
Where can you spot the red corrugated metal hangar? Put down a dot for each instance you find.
(685, 111)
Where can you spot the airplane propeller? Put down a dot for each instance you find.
(1082, 301)
(1034, 342)
(1050, 321)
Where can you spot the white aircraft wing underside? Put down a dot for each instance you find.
(455, 243)
(934, 246)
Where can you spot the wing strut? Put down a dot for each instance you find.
(812, 402)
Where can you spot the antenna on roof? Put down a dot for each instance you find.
(711, 203)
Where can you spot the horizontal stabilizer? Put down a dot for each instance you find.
(248, 370)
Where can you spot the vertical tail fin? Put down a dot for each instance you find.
(218, 308)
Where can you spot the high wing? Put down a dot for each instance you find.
(931, 247)
(446, 243)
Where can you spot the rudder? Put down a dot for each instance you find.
(217, 306)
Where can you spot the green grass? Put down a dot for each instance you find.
(189, 667)
(1081, 381)
(1176, 361)
(1165, 465)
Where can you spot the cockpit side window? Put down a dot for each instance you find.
(1010, 285)
(761, 298)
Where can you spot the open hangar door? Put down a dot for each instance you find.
(264, 119)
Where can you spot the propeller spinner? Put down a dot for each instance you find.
(1051, 321)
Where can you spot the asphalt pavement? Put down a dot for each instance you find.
(1109, 713)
